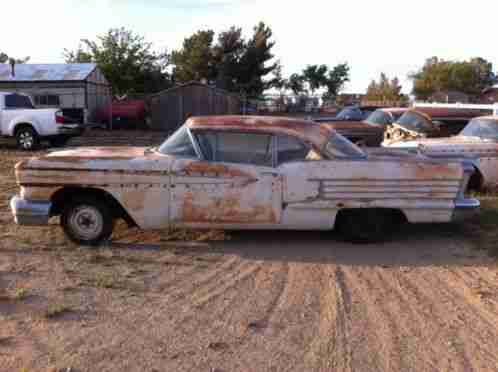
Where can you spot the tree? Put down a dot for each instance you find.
(469, 77)
(315, 76)
(195, 61)
(126, 60)
(255, 62)
(336, 79)
(385, 90)
(296, 84)
(227, 54)
(6, 58)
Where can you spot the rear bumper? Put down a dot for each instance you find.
(71, 130)
(30, 213)
(465, 209)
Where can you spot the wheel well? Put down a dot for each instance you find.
(23, 125)
(396, 215)
(476, 181)
(64, 195)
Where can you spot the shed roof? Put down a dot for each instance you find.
(47, 72)
(192, 83)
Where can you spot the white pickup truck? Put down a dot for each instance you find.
(20, 120)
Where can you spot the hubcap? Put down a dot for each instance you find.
(86, 222)
(26, 140)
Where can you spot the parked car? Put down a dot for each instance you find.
(369, 132)
(241, 172)
(350, 113)
(126, 114)
(479, 139)
(20, 120)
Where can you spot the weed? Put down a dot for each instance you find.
(55, 310)
(20, 294)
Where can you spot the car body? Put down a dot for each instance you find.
(478, 140)
(368, 132)
(21, 120)
(350, 113)
(240, 172)
(431, 122)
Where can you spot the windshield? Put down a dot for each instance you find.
(179, 144)
(414, 121)
(379, 117)
(350, 113)
(484, 128)
(340, 147)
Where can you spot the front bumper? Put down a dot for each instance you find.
(465, 209)
(29, 212)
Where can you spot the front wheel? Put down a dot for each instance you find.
(87, 221)
(27, 138)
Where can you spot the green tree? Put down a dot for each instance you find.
(469, 77)
(195, 60)
(127, 61)
(296, 84)
(385, 90)
(315, 76)
(256, 62)
(336, 79)
(227, 54)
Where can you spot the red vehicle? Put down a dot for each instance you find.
(127, 114)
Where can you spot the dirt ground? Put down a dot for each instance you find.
(427, 300)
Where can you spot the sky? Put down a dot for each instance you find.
(391, 36)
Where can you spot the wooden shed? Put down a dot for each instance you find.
(170, 108)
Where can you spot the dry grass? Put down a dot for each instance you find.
(56, 310)
(483, 229)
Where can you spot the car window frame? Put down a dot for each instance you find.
(308, 146)
(210, 130)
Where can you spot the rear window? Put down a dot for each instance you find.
(18, 101)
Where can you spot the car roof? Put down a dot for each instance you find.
(394, 109)
(305, 129)
(489, 117)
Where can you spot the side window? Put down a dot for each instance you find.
(233, 147)
(14, 101)
(290, 148)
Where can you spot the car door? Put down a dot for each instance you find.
(233, 182)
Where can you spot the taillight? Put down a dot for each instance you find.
(59, 118)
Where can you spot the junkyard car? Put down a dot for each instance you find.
(431, 122)
(369, 132)
(236, 172)
(479, 139)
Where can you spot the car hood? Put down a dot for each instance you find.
(341, 125)
(116, 152)
(443, 141)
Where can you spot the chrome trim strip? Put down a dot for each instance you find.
(30, 213)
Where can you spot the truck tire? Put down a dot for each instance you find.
(365, 225)
(87, 221)
(27, 138)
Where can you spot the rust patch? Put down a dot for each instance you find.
(134, 199)
(225, 210)
(438, 171)
(219, 169)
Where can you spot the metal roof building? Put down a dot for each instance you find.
(79, 89)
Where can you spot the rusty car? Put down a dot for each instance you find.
(241, 172)
(478, 140)
(369, 132)
(433, 120)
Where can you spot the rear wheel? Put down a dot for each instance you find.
(27, 138)
(367, 225)
(87, 221)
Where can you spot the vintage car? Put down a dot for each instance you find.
(478, 140)
(369, 132)
(432, 122)
(241, 172)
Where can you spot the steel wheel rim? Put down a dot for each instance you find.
(86, 222)
(26, 140)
